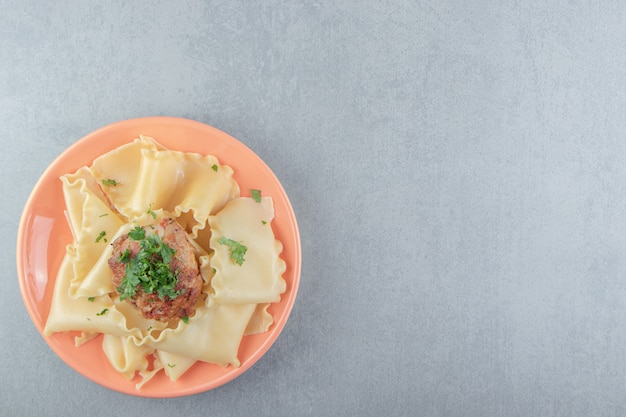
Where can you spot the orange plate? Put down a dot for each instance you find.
(44, 233)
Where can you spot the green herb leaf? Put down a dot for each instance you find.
(185, 320)
(256, 195)
(103, 312)
(101, 236)
(150, 212)
(110, 183)
(264, 222)
(91, 299)
(137, 233)
(214, 167)
(102, 215)
(124, 256)
(149, 268)
(237, 250)
(171, 365)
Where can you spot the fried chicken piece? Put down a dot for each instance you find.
(183, 264)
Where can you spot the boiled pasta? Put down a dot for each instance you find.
(138, 185)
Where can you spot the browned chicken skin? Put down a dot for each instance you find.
(183, 263)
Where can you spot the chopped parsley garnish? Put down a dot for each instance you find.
(101, 236)
(137, 233)
(185, 320)
(124, 256)
(110, 183)
(102, 215)
(149, 269)
(214, 167)
(237, 250)
(256, 195)
(150, 212)
(103, 312)
(91, 299)
(264, 222)
(171, 365)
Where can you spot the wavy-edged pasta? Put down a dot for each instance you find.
(139, 184)
(258, 279)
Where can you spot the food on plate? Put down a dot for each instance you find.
(168, 261)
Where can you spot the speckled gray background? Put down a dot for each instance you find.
(458, 170)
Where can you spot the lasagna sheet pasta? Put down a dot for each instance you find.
(174, 365)
(82, 314)
(259, 278)
(92, 223)
(139, 184)
(260, 321)
(127, 358)
(148, 177)
(213, 334)
(180, 182)
(121, 165)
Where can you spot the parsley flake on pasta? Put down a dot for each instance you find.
(237, 250)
